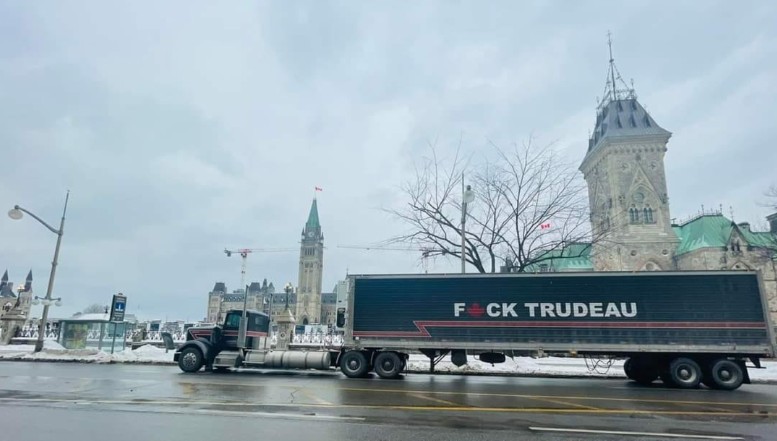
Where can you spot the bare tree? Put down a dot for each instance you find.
(771, 195)
(95, 308)
(530, 204)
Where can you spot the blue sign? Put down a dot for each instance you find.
(118, 306)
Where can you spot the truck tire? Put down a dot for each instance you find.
(354, 364)
(641, 371)
(684, 373)
(628, 368)
(388, 365)
(725, 374)
(190, 360)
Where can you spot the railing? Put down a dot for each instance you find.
(321, 340)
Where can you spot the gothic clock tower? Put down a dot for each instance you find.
(311, 267)
(624, 170)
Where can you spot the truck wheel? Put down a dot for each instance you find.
(354, 364)
(726, 374)
(628, 368)
(684, 373)
(641, 370)
(388, 365)
(190, 360)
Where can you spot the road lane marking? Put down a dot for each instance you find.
(393, 407)
(566, 403)
(559, 397)
(618, 432)
(436, 400)
(293, 416)
(318, 400)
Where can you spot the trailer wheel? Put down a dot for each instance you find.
(388, 365)
(190, 360)
(641, 371)
(726, 374)
(684, 373)
(628, 368)
(354, 364)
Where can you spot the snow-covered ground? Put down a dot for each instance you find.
(524, 366)
(52, 351)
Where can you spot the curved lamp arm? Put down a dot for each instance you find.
(53, 230)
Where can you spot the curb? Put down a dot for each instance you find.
(413, 371)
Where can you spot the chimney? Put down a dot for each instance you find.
(772, 219)
(744, 225)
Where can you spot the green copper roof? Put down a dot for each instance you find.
(715, 231)
(703, 232)
(759, 238)
(313, 217)
(575, 257)
(707, 231)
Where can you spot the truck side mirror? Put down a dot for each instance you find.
(340, 317)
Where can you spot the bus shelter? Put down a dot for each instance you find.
(92, 331)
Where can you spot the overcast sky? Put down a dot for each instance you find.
(185, 127)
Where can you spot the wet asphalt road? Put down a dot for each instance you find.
(64, 401)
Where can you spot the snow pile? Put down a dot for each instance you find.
(549, 366)
(144, 354)
(53, 351)
(51, 344)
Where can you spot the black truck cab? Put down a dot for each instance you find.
(204, 343)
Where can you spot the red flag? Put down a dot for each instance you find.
(319, 189)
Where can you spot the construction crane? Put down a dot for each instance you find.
(426, 252)
(244, 252)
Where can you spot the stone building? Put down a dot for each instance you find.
(21, 300)
(308, 304)
(629, 207)
(220, 300)
(311, 270)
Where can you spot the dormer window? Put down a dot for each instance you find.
(647, 121)
(632, 121)
(620, 107)
(618, 121)
(633, 104)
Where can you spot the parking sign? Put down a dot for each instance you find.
(118, 306)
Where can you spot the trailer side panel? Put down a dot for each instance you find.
(585, 310)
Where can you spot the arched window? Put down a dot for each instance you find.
(648, 215)
(633, 215)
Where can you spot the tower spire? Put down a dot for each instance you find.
(612, 65)
(611, 90)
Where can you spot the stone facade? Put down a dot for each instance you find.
(629, 203)
(21, 300)
(308, 304)
(220, 301)
(624, 170)
(311, 268)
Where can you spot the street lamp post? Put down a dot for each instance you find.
(16, 214)
(288, 288)
(467, 196)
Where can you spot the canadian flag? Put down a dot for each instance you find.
(319, 189)
(545, 226)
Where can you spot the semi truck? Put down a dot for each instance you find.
(684, 328)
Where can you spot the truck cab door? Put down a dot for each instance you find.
(231, 329)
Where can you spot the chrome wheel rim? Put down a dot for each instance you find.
(189, 360)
